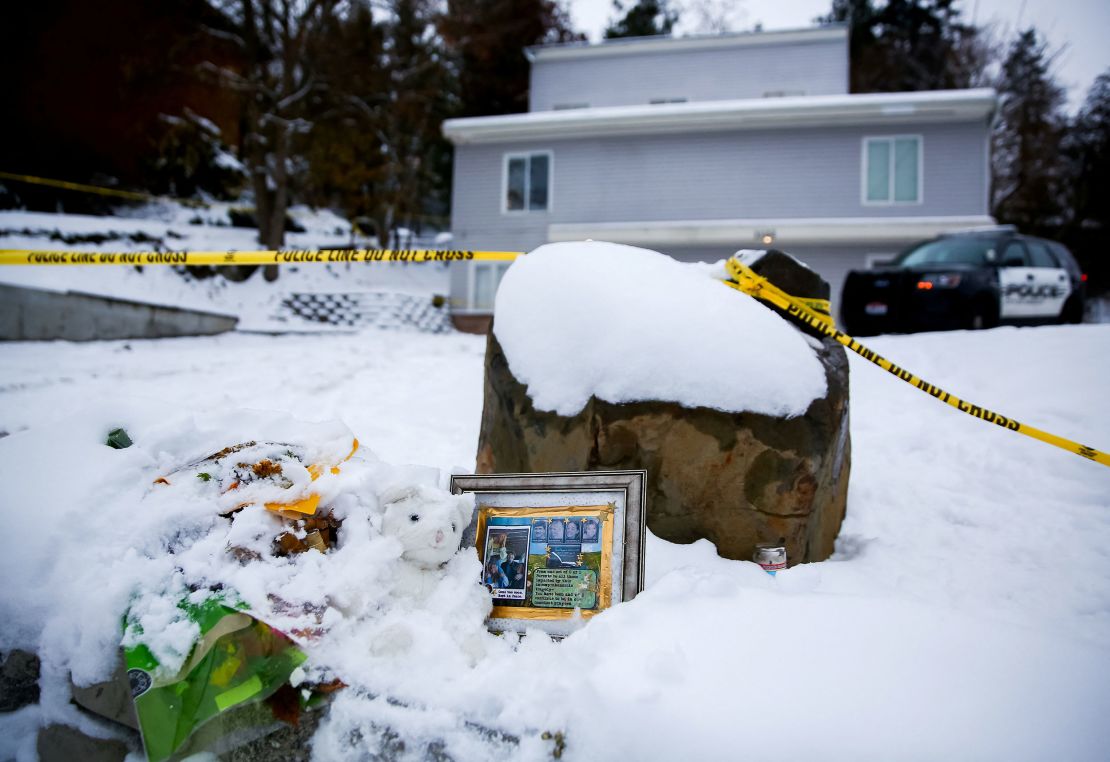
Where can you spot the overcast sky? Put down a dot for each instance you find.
(1080, 27)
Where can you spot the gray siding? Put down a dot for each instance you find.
(801, 173)
(476, 218)
(751, 71)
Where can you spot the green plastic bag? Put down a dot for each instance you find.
(239, 660)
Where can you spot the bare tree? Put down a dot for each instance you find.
(713, 16)
(275, 82)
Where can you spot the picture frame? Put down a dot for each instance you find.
(557, 548)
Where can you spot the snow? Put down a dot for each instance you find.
(166, 226)
(625, 324)
(966, 612)
(390, 387)
(228, 160)
(744, 113)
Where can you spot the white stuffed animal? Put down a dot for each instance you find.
(429, 523)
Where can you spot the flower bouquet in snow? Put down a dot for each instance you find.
(235, 661)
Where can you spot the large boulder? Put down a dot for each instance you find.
(19, 680)
(737, 479)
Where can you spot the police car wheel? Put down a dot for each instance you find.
(1073, 310)
(981, 315)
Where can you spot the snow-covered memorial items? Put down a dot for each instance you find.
(557, 549)
(429, 524)
(234, 658)
(236, 661)
(605, 356)
(283, 568)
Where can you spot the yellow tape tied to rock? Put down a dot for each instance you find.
(220, 258)
(811, 312)
(746, 280)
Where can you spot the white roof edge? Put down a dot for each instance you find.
(750, 113)
(667, 44)
(786, 232)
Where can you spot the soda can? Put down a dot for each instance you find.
(771, 556)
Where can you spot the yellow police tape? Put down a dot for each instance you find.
(97, 190)
(819, 306)
(284, 257)
(811, 312)
(744, 279)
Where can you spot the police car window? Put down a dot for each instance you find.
(1014, 255)
(1040, 255)
(963, 251)
(1065, 258)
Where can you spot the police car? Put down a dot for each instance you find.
(972, 279)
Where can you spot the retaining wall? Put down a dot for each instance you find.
(29, 314)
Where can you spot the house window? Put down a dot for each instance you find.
(485, 277)
(527, 182)
(892, 170)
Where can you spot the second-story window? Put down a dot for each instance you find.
(527, 182)
(892, 170)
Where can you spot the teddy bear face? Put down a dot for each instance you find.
(429, 522)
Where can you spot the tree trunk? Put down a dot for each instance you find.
(278, 200)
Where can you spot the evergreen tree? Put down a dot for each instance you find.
(375, 149)
(1026, 143)
(421, 97)
(487, 39)
(1088, 146)
(132, 64)
(345, 163)
(644, 19)
(911, 45)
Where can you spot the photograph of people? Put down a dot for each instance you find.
(539, 530)
(574, 529)
(555, 530)
(589, 530)
(495, 578)
(515, 571)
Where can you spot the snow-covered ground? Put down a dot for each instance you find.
(171, 227)
(966, 614)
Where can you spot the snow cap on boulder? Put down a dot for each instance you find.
(626, 324)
